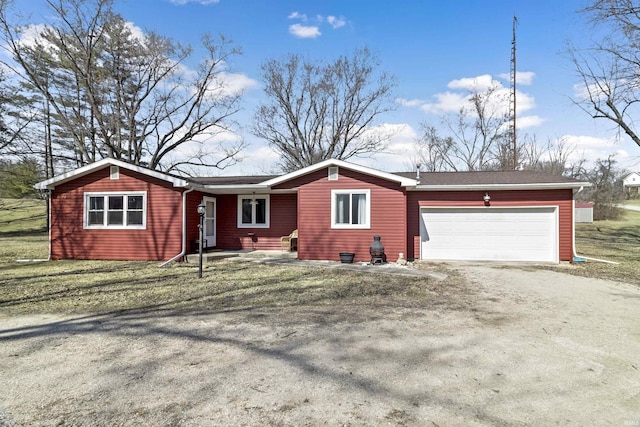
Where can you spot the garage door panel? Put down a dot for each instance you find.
(514, 234)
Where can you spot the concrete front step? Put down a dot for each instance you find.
(218, 255)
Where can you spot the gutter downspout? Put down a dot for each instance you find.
(573, 237)
(184, 229)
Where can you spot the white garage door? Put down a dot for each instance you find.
(494, 234)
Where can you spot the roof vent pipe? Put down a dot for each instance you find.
(418, 172)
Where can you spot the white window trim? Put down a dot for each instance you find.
(115, 227)
(241, 197)
(367, 223)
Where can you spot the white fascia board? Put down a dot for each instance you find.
(486, 187)
(405, 182)
(235, 189)
(87, 169)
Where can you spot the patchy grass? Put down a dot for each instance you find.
(22, 215)
(108, 286)
(613, 241)
(632, 202)
(23, 230)
(69, 286)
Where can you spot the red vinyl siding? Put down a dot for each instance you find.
(561, 198)
(282, 221)
(160, 240)
(317, 240)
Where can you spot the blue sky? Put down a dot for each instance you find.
(433, 47)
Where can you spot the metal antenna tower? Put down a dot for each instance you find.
(512, 96)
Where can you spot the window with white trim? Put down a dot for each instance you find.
(253, 211)
(350, 208)
(115, 210)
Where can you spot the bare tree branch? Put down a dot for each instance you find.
(320, 111)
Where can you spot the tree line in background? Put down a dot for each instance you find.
(89, 85)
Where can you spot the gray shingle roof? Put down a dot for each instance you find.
(232, 180)
(426, 178)
(487, 177)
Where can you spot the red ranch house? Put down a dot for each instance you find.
(114, 210)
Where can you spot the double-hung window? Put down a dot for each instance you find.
(350, 208)
(253, 211)
(115, 210)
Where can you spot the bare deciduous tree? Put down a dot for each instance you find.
(552, 158)
(606, 188)
(609, 70)
(432, 150)
(111, 92)
(477, 135)
(319, 111)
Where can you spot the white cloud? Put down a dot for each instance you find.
(479, 83)
(136, 31)
(257, 159)
(297, 15)
(231, 84)
(590, 142)
(304, 31)
(593, 148)
(336, 22)
(595, 91)
(524, 122)
(525, 102)
(401, 146)
(31, 34)
(458, 98)
(199, 144)
(313, 31)
(524, 78)
(409, 102)
(446, 102)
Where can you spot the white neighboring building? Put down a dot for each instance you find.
(631, 182)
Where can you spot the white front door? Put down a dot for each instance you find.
(210, 222)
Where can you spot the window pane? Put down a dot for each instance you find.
(134, 202)
(134, 217)
(115, 203)
(246, 211)
(96, 218)
(358, 208)
(342, 209)
(261, 211)
(96, 203)
(114, 217)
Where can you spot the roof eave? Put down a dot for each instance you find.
(486, 187)
(235, 189)
(404, 182)
(51, 183)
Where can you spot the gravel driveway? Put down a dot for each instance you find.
(525, 347)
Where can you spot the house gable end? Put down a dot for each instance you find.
(108, 163)
(340, 164)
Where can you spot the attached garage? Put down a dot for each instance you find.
(489, 233)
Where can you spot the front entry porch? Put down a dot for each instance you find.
(216, 255)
